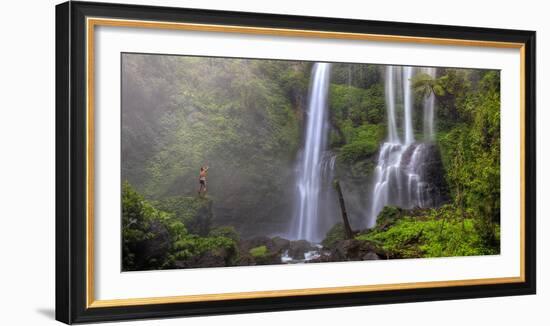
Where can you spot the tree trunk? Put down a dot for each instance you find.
(347, 227)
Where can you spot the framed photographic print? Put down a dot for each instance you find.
(216, 162)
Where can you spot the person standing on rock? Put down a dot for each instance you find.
(202, 180)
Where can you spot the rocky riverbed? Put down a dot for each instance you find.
(283, 251)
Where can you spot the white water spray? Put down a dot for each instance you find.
(398, 174)
(408, 104)
(390, 103)
(429, 109)
(310, 167)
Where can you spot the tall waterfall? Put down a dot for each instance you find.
(408, 104)
(399, 177)
(429, 107)
(390, 103)
(310, 167)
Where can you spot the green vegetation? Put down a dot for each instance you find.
(154, 239)
(194, 213)
(245, 119)
(357, 115)
(226, 232)
(240, 117)
(335, 234)
(363, 142)
(469, 140)
(358, 120)
(471, 154)
(142, 226)
(190, 246)
(258, 252)
(430, 233)
(388, 216)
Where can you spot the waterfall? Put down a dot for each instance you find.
(408, 104)
(399, 176)
(429, 107)
(309, 180)
(390, 102)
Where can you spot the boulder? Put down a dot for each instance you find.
(280, 244)
(194, 212)
(247, 244)
(297, 249)
(353, 250)
(273, 245)
(212, 258)
(431, 172)
(335, 234)
(370, 256)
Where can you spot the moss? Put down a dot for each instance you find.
(335, 234)
(258, 252)
(436, 233)
(194, 212)
(388, 216)
(193, 245)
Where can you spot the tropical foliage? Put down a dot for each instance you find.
(245, 119)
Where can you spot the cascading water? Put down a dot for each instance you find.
(408, 104)
(399, 174)
(400, 177)
(310, 167)
(390, 103)
(429, 108)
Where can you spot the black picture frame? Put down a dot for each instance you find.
(71, 157)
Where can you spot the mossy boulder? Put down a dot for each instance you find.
(194, 212)
(335, 234)
(439, 232)
(351, 250)
(262, 251)
(191, 250)
(260, 255)
(274, 245)
(388, 216)
(258, 252)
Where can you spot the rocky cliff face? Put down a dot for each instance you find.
(194, 212)
(431, 173)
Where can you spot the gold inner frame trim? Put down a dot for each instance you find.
(92, 22)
